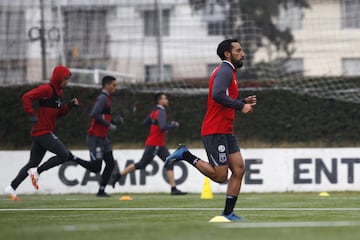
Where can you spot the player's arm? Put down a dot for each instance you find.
(221, 83)
(147, 121)
(96, 111)
(65, 108)
(43, 91)
(162, 121)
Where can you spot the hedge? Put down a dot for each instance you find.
(281, 118)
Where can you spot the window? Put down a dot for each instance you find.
(350, 66)
(216, 28)
(214, 15)
(350, 14)
(151, 26)
(290, 17)
(152, 73)
(85, 33)
(12, 34)
(12, 46)
(294, 66)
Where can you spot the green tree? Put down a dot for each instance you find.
(250, 21)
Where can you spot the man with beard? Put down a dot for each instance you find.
(218, 138)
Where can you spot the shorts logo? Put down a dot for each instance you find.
(98, 153)
(222, 157)
(221, 148)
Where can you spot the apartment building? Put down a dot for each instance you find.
(128, 37)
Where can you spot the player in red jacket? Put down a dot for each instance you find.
(155, 142)
(217, 129)
(50, 107)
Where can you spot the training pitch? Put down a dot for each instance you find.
(268, 216)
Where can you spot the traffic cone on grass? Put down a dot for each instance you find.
(206, 191)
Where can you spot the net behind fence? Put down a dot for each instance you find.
(308, 47)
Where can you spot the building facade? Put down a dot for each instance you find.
(129, 38)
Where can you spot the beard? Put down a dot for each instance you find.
(236, 63)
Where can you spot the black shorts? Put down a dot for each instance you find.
(98, 146)
(149, 153)
(219, 146)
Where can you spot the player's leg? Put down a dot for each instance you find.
(95, 149)
(109, 167)
(94, 165)
(163, 153)
(53, 144)
(237, 167)
(217, 168)
(128, 169)
(117, 176)
(147, 157)
(37, 152)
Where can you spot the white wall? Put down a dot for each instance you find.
(268, 170)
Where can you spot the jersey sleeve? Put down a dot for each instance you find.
(221, 83)
(43, 91)
(162, 121)
(96, 111)
(147, 121)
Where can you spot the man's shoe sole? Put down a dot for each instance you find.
(34, 182)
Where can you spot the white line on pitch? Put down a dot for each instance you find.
(178, 209)
(291, 224)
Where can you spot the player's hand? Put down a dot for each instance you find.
(251, 99)
(176, 124)
(33, 119)
(118, 120)
(74, 103)
(112, 127)
(248, 108)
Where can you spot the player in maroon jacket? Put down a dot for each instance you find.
(155, 143)
(217, 129)
(50, 107)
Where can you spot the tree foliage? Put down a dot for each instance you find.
(251, 20)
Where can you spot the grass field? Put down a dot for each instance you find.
(269, 216)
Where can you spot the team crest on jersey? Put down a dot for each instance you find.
(222, 158)
(58, 102)
(221, 148)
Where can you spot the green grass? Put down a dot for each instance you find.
(165, 217)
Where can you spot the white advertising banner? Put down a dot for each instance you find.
(267, 170)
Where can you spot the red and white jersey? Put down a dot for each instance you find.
(219, 118)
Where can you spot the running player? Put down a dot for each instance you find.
(217, 128)
(50, 107)
(155, 142)
(97, 135)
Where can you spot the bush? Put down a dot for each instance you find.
(280, 117)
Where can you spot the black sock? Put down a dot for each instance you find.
(192, 159)
(93, 165)
(229, 204)
(102, 189)
(173, 188)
